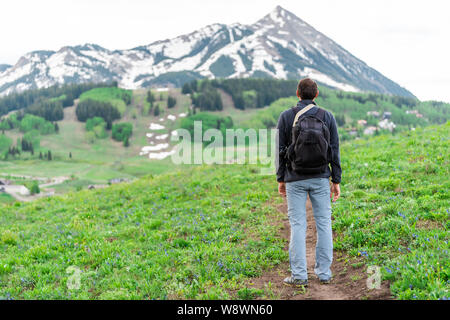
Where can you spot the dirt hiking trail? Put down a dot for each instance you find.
(349, 274)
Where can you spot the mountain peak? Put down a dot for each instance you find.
(279, 45)
(280, 18)
(280, 10)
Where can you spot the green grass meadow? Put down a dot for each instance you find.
(201, 232)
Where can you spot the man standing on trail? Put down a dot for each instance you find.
(308, 143)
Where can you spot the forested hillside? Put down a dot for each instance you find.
(59, 95)
(357, 114)
(109, 132)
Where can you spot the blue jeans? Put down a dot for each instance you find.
(319, 193)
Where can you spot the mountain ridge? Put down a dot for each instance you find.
(279, 45)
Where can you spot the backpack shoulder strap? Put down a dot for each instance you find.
(299, 114)
(320, 114)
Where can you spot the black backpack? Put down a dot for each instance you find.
(309, 151)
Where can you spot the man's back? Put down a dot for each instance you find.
(285, 122)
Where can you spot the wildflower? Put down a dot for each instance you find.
(363, 253)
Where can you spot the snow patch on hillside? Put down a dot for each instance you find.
(316, 75)
(156, 126)
(161, 155)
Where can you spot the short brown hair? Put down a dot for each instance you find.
(307, 89)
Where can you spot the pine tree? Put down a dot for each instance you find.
(171, 102)
(156, 111)
(150, 97)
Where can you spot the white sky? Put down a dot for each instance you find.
(406, 40)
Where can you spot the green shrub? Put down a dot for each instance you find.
(122, 131)
(5, 143)
(98, 126)
(208, 121)
(34, 187)
(32, 122)
(9, 237)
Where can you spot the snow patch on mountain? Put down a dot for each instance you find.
(280, 45)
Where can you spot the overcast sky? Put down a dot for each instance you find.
(406, 40)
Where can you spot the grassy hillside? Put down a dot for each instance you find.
(348, 108)
(198, 233)
(395, 207)
(193, 234)
(6, 198)
(118, 97)
(103, 159)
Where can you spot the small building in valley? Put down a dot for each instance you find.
(373, 113)
(415, 112)
(387, 115)
(362, 122)
(24, 191)
(118, 180)
(386, 124)
(4, 182)
(370, 130)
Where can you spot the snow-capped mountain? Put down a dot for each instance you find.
(279, 45)
(3, 67)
